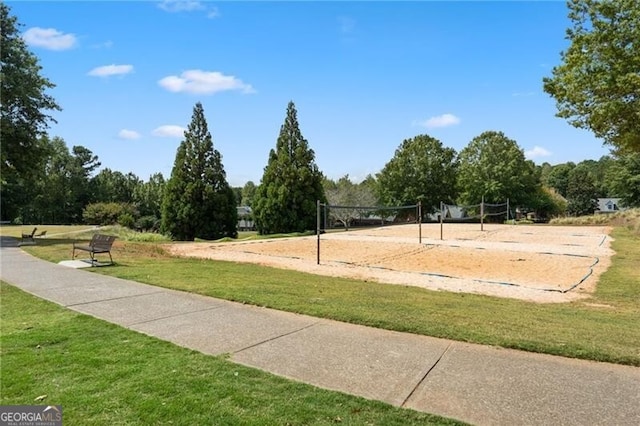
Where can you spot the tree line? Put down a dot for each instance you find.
(196, 201)
(44, 181)
(491, 167)
(64, 188)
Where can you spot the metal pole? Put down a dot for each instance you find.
(420, 222)
(482, 214)
(324, 225)
(318, 229)
(509, 212)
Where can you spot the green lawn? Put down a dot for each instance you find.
(103, 374)
(52, 230)
(603, 328)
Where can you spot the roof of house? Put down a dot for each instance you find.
(609, 204)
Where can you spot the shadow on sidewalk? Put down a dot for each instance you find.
(9, 241)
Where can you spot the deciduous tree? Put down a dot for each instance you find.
(624, 179)
(558, 177)
(597, 86)
(547, 203)
(422, 169)
(24, 117)
(148, 196)
(581, 192)
(248, 193)
(63, 186)
(114, 186)
(598, 171)
(494, 167)
(346, 193)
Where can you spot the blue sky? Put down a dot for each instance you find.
(364, 76)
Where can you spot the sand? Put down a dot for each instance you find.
(546, 264)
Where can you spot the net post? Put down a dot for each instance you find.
(482, 214)
(509, 212)
(419, 222)
(318, 230)
(441, 218)
(324, 223)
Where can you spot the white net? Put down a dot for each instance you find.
(348, 217)
(488, 212)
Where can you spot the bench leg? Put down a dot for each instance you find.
(94, 260)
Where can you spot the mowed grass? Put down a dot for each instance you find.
(52, 230)
(603, 327)
(103, 374)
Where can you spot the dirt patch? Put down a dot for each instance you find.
(537, 263)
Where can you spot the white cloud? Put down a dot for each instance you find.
(49, 38)
(128, 134)
(109, 70)
(444, 120)
(169, 131)
(203, 82)
(537, 152)
(175, 6)
(180, 5)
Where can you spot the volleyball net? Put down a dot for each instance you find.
(348, 217)
(482, 212)
(332, 218)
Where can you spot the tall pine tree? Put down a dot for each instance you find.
(285, 200)
(198, 202)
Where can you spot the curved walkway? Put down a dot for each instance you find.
(473, 383)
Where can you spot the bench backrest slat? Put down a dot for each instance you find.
(102, 242)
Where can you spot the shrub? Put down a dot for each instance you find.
(126, 219)
(107, 213)
(628, 218)
(147, 223)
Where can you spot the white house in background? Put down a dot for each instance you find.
(609, 205)
(450, 212)
(245, 219)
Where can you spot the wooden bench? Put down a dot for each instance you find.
(99, 244)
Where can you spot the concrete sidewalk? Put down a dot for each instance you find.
(473, 383)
